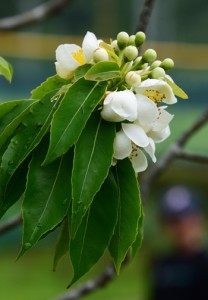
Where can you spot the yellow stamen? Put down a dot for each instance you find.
(78, 56)
(154, 95)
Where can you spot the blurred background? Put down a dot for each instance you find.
(177, 29)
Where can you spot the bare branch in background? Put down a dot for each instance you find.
(92, 285)
(10, 224)
(34, 15)
(145, 15)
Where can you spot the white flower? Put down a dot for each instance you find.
(119, 106)
(157, 90)
(124, 147)
(71, 56)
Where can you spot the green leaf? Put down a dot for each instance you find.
(11, 116)
(72, 115)
(103, 71)
(129, 212)
(92, 160)
(29, 134)
(96, 229)
(176, 89)
(47, 196)
(6, 69)
(51, 83)
(62, 246)
(137, 243)
(81, 71)
(15, 188)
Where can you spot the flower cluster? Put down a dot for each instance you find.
(136, 100)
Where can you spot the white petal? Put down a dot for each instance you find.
(122, 145)
(66, 64)
(159, 136)
(150, 149)
(119, 106)
(157, 90)
(139, 162)
(136, 134)
(163, 119)
(147, 110)
(89, 45)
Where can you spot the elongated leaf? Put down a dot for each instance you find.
(92, 160)
(5, 69)
(62, 245)
(176, 89)
(129, 212)
(72, 115)
(33, 128)
(81, 71)
(47, 196)
(96, 230)
(51, 83)
(11, 116)
(103, 71)
(15, 188)
(137, 243)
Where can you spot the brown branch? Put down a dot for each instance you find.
(145, 15)
(193, 157)
(34, 15)
(10, 224)
(91, 285)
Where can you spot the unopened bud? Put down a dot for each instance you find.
(149, 56)
(122, 39)
(157, 73)
(167, 64)
(132, 40)
(156, 64)
(133, 79)
(131, 52)
(100, 54)
(139, 38)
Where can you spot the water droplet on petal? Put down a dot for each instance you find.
(27, 245)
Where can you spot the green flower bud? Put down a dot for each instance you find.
(156, 64)
(100, 54)
(139, 38)
(122, 39)
(149, 56)
(167, 64)
(133, 79)
(157, 73)
(131, 52)
(132, 40)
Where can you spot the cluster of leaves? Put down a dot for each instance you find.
(56, 154)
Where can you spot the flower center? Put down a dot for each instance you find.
(154, 95)
(78, 56)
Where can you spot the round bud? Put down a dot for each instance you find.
(100, 54)
(133, 79)
(132, 40)
(122, 39)
(157, 73)
(167, 64)
(139, 38)
(156, 64)
(149, 56)
(131, 52)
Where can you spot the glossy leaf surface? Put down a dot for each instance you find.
(92, 160)
(129, 212)
(103, 71)
(72, 115)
